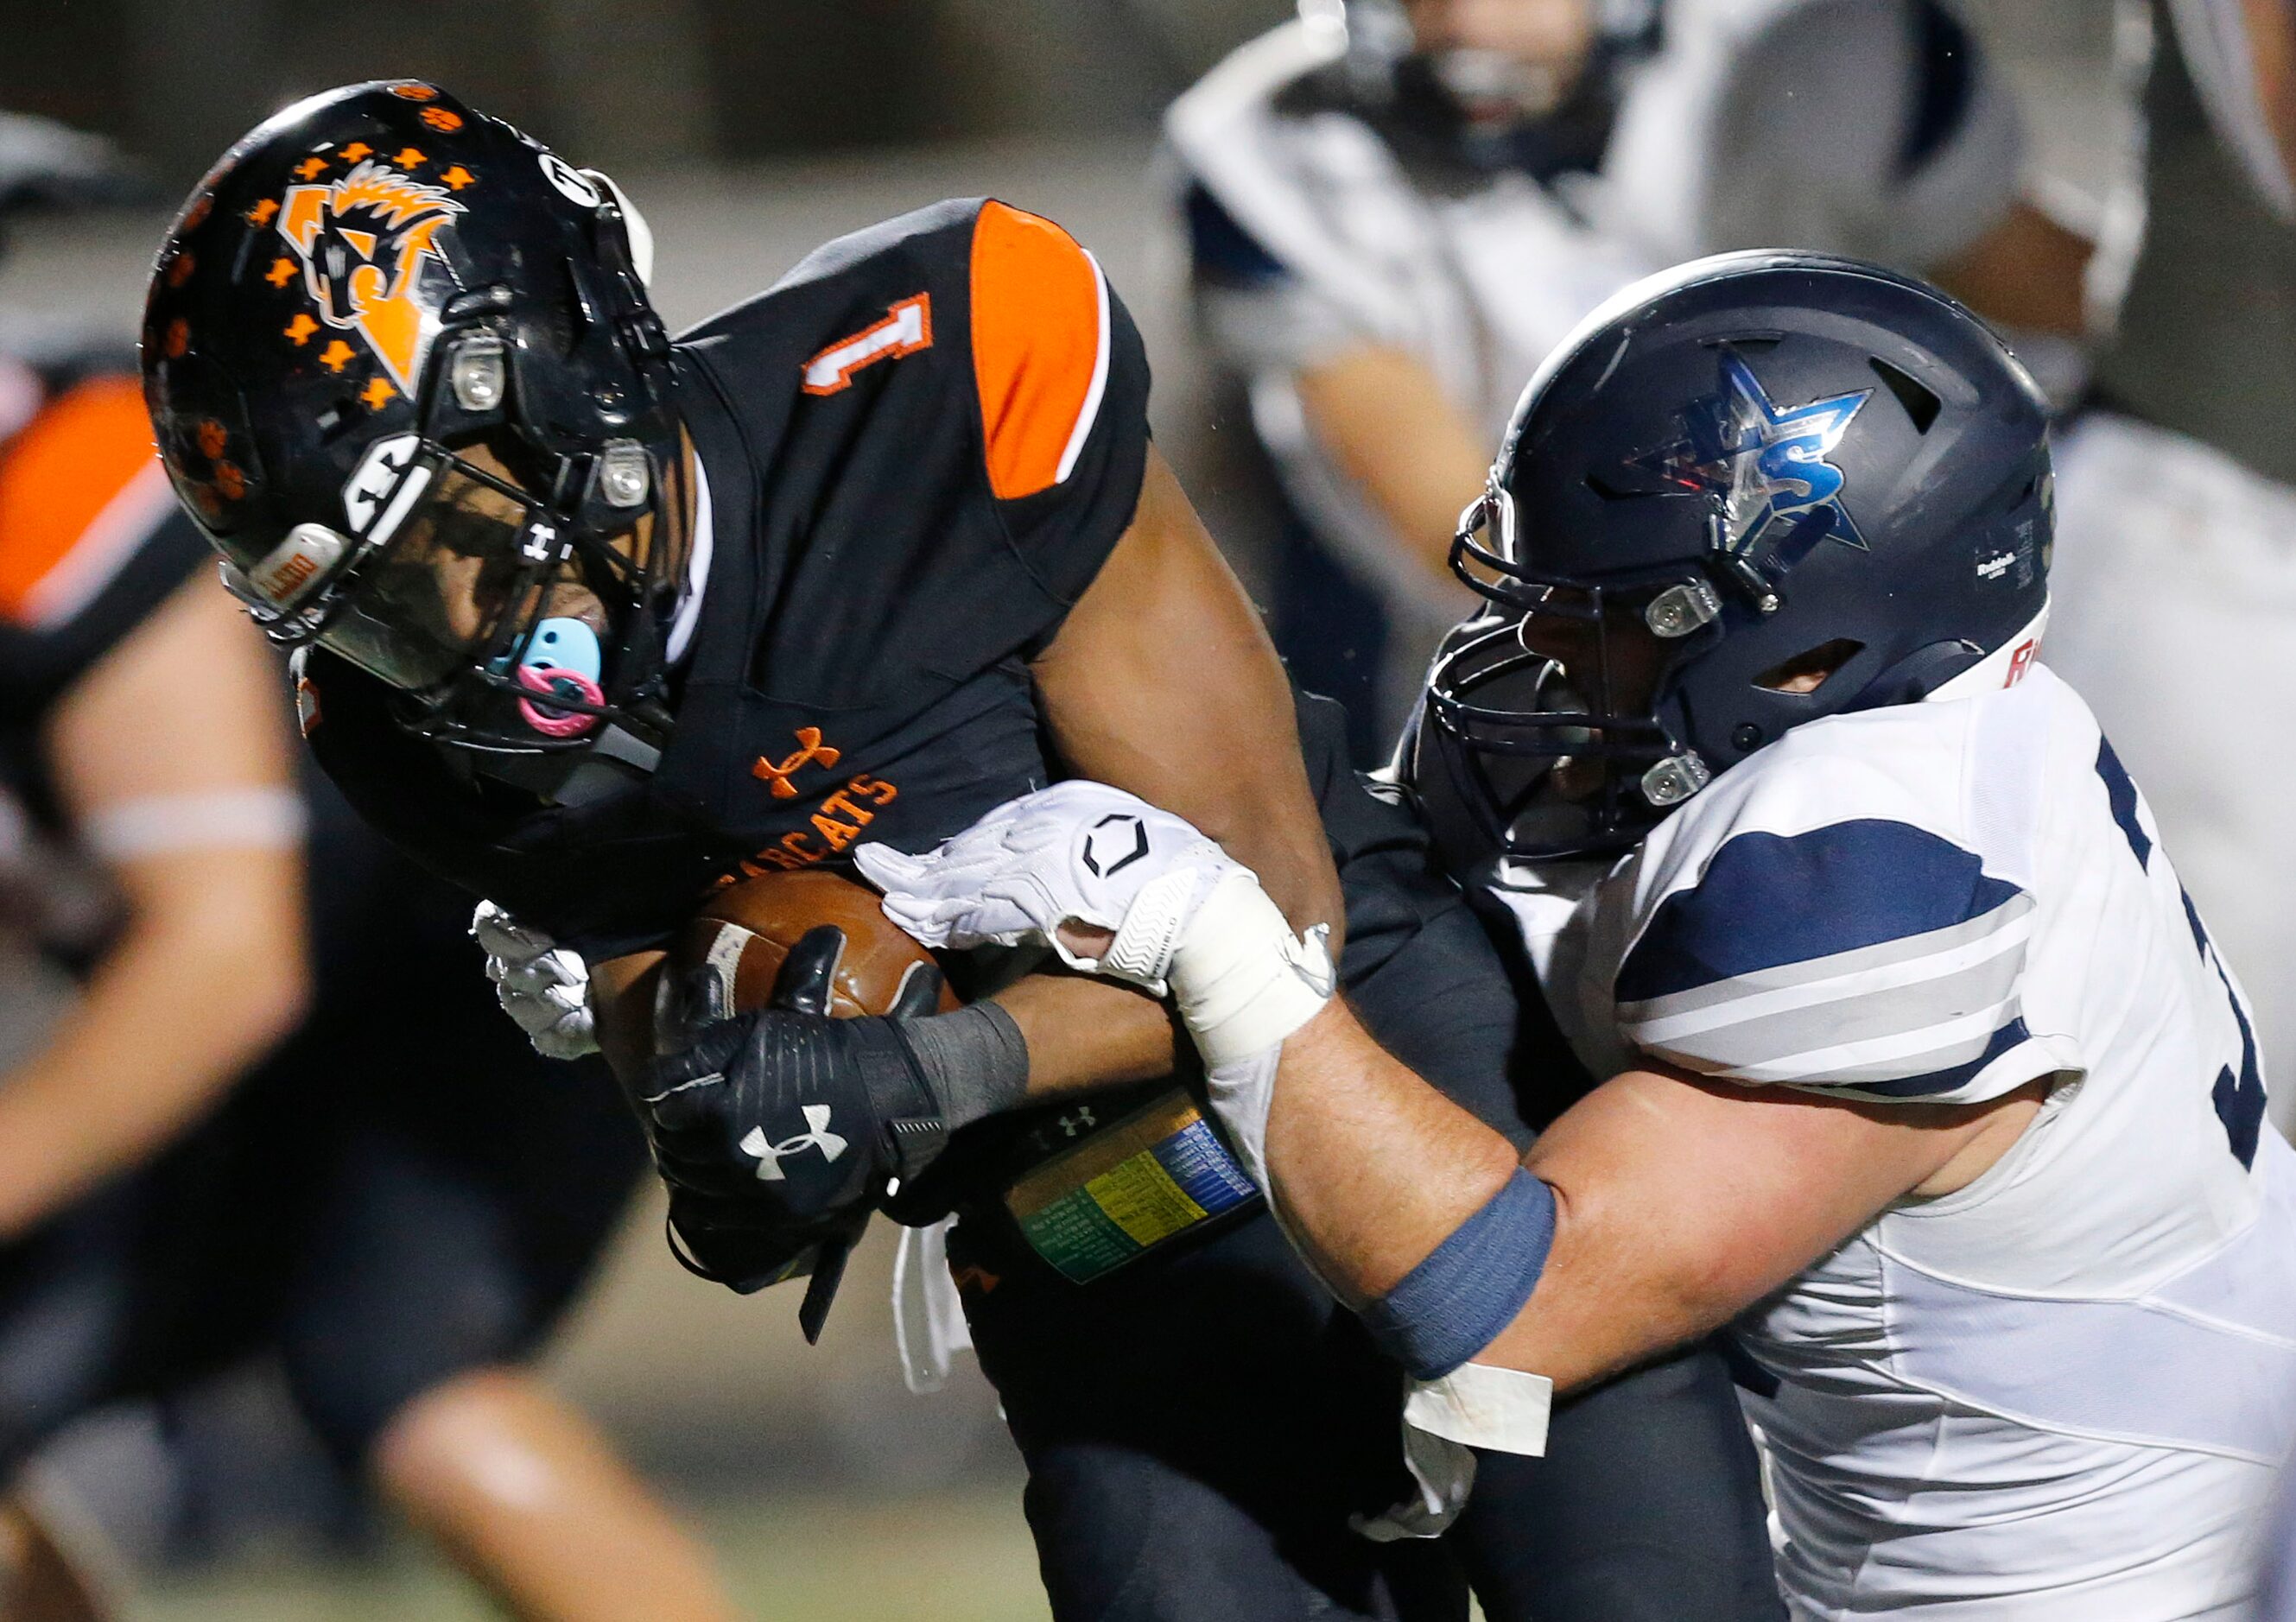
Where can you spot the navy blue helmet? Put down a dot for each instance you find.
(1750, 492)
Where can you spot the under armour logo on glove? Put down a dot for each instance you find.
(817, 1135)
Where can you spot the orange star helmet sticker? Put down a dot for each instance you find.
(362, 241)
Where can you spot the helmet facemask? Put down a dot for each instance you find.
(1568, 689)
(478, 572)
(1491, 108)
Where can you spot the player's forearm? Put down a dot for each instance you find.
(1679, 1203)
(622, 992)
(1373, 1169)
(1612, 1295)
(175, 1012)
(1162, 682)
(2028, 271)
(1084, 1035)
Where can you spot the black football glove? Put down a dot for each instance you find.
(799, 1116)
(730, 1242)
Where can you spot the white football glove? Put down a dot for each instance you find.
(540, 984)
(1183, 913)
(1077, 851)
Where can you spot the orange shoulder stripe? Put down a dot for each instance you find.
(1039, 346)
(78, 488)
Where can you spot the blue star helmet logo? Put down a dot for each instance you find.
(1767, 464)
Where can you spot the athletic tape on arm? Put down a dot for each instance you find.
(1242, 979)
(1456, 1302)
(1452, 1305)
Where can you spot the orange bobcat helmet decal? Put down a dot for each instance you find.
(362, 239)
(366, 286)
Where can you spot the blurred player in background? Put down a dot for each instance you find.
(399, 1199)
(1395, 209)
(2211, 295)
(593, 620)
(2175, 573)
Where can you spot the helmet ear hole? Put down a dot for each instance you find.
(1807, 671)
(1921, 403)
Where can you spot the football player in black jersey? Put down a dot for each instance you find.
(396, 1218)
(592, 621)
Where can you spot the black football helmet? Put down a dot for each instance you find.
(1759, 489)
(1481, 107)
(364, 292)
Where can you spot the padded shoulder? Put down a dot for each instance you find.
(1824, 922)
(1041, 337)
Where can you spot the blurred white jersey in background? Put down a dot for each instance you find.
(1873, 127)
(2175, 592)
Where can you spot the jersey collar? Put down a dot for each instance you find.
(697, 568)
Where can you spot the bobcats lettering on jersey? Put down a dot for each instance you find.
(837, 825)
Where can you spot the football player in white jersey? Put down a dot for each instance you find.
(1395, 209)
(1924, 1077)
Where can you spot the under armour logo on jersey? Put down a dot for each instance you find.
(816, 1135)
(1766, 463)
(906, 328)
(810, 751)
(1114, 843)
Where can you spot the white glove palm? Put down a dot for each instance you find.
(540, 984)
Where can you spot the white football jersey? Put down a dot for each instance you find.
(2062, 1391)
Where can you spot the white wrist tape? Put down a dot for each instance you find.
(262, 818)
(1243, 981)
(1240, 1093)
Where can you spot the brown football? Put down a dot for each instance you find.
(745, 929)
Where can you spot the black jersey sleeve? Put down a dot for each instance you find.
(91, 537)
(920, 447)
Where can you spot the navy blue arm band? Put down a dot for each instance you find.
(1454, 1303)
